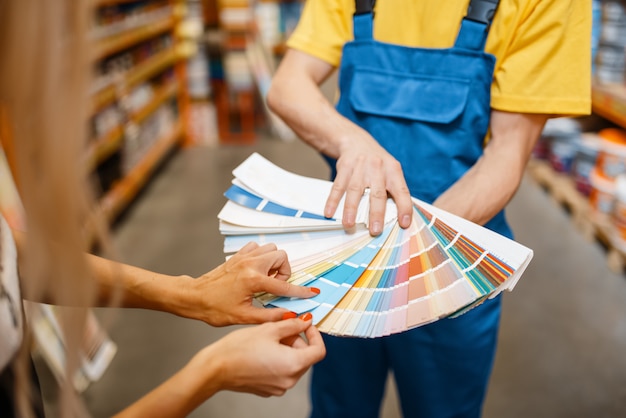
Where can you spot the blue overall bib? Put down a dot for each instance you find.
(430, 109)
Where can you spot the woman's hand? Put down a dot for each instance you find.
(224, 295)
(265, 360)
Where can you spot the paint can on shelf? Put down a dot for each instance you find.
(585, 161)
(562, 152)
(610, 64)
(612, 155)
(562, 136)
(602, 196)
(619, 210)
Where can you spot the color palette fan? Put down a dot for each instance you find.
(441, 266)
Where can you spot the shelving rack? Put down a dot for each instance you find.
(235, 93)
(240, 95)
(608, 102)
(165, 19)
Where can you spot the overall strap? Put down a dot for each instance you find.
(475, 25)
(364, 19)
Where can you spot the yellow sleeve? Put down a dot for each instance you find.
(324, 27)
(546, 65)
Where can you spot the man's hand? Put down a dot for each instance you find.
(364, 164)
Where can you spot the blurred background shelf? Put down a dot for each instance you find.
(125, 190)
(147, 30)
(141, 100)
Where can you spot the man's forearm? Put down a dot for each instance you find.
(491, 183)
(296, 97)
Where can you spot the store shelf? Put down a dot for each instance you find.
(117, 43)
(103, 147)
(125, 190)
(160, 96)
(609, 102)
(100, 3)
(593, 226)
(141, 72)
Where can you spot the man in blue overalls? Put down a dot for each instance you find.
(422, 83)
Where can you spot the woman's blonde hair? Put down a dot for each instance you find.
(44, 83)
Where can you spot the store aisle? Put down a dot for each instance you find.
(563, 340)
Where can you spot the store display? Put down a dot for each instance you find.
(612, 156)
(561, 137)
(584, 162)
(619, 211)
(140, 68)
(440, 267)
(610, 59)
(602, 194)
(114, 19)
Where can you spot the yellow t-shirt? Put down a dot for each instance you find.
(542, 47)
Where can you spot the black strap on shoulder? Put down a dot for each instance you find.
(482, 11)
(364, 6)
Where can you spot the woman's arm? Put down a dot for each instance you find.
(254, 360)
(223, 296)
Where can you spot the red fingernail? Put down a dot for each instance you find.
(306, 316)
(289, 315)
(314, 290)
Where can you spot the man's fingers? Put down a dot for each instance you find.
(378, 198)
(405, 212)
(399, 191)
(354, 193)
(337, 191)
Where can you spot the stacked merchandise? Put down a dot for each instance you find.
(569, 151)
(610, 60)
(146, 113)
(233, 83)
(276, 20)
(113, 68)
(116, 19)
(608, 197)
(595, 31)
(596, 163)
(140, 139)
(236, 18)
(138, 93)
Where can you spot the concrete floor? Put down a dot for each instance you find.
(562, 350)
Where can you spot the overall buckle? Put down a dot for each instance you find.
(482, 11)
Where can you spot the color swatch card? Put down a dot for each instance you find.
(441, 266)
